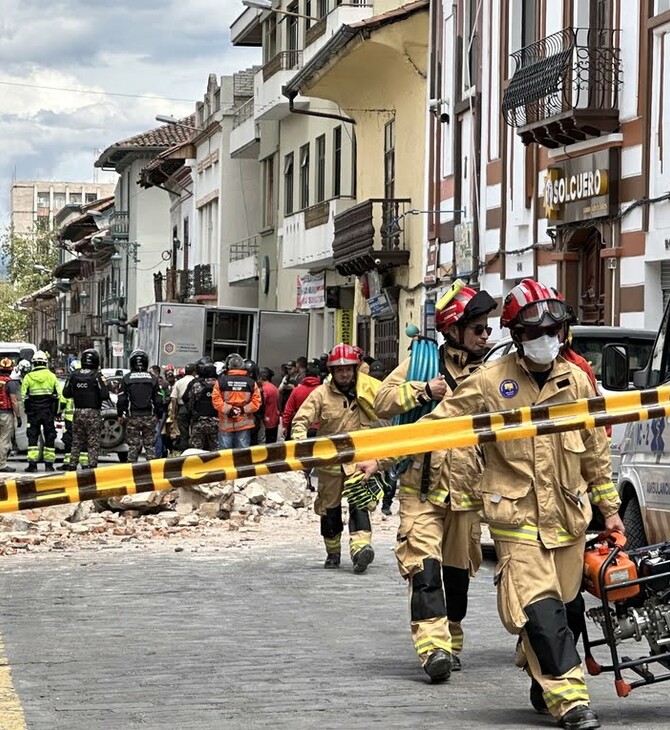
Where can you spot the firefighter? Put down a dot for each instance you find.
(236, 397)
(203, 416)
(140, 405)
(438, 547)
(535, 498)
(41, 396)
(87, 388)
(337, 408)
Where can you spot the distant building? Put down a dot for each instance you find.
(35, 203)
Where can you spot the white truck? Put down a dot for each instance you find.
(644, 472)
(177, 334)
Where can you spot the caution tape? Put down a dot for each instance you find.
(121, 479)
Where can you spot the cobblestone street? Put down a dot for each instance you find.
(253, 637)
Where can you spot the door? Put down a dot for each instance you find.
(387, 334)
(592, 304)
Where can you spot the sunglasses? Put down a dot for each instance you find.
(532, 333)
(479, 329)
(533, 314)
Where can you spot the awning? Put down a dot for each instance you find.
(68, 269)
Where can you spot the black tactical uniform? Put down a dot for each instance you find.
(140, 400)
(204, 418)
(88, 390)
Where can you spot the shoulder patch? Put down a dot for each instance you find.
(509, 388)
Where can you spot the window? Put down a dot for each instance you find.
(59, 201)
(186, 236)
(288, 184)
(389, 159)
(268, 166)
(292, 28)
(308, 13)
(528, 23)
(91, 197)
(337, 161)
(470, 44)
(43, 200)
(320, 168)
(75, 198)
(321, 8)
(42, 222)
(304, 176)
(270, 38)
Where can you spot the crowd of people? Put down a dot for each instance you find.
(533, 493)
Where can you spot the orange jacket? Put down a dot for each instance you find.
(236, 397)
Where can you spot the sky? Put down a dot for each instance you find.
(160, 49)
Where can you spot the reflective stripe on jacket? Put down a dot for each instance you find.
(236, 388)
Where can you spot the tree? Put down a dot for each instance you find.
(19, 254)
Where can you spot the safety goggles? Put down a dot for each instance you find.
(479, 329)
(532, 333)
(532, 315)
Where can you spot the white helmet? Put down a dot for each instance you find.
(220, 367)
(75, 365)
(40, 359)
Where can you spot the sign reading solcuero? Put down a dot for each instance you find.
(582, 187)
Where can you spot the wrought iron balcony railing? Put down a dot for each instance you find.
(243, 112)
(243, 249)
(175, 285)
(565, 87)
(204, 281)
(283, 61)
(370, 236)
(118, 225)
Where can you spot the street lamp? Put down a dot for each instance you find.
(165, 119)
(261, 5)
(41, 268)
(83, 297)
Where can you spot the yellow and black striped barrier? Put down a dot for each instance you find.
(394, 441)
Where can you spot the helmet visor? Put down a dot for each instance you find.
(550, 311)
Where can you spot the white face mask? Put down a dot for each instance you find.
(543, 350)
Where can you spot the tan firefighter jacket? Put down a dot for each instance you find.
(454, 473)
(536, 489)
(334, 413)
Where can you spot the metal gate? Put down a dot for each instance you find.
(665, 281)
(387, 335)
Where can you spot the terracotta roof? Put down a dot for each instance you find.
(343, 36)
(167, 135)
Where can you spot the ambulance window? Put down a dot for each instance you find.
(660, 359)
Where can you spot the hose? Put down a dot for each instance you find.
(424, 365)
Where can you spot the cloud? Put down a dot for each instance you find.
(83, 49)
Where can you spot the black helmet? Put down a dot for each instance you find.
(139, 361)
(90, 359)
(251, 368)
(202, 364)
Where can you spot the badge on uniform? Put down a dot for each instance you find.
(509, 388)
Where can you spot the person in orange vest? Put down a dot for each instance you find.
(236, 397)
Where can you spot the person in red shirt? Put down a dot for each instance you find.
(298, 396)
(271, 400)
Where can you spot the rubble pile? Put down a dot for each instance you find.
(199, 512)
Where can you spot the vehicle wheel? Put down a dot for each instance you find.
(123, 456)
(113, 433)
(632, 520)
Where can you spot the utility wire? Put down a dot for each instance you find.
(97, 93)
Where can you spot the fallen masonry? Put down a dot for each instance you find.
(200, 514)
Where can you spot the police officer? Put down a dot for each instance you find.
(67, 412)
(536, 501)
(203, 416)
(438, 547)
(87, 388)
(41, 396)
(140, 406)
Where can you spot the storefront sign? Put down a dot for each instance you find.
(312, 291)
(117, 349)
(581, 188)
(465, 262)
(382, 306)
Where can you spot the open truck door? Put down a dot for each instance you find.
(282, 336)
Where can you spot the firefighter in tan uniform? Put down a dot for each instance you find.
(438, 547)
(337, 407)
(536, 498)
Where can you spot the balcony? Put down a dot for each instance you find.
(243, 262)
(119, 225)
(307, 236)
(565, 88)
(370, 236)
(175, 285)
(269, 102)
(321, 31)
(244, 138)
(204, 283)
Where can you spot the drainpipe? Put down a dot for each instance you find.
(290, 95)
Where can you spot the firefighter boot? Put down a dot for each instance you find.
(438, 666)
(32, 466)
(49, 466)
(363, 558)
(581, 717)
(332, 561)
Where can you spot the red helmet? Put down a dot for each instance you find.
(343, 355)
(360, 352)
(530, 304)
(465, 306)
